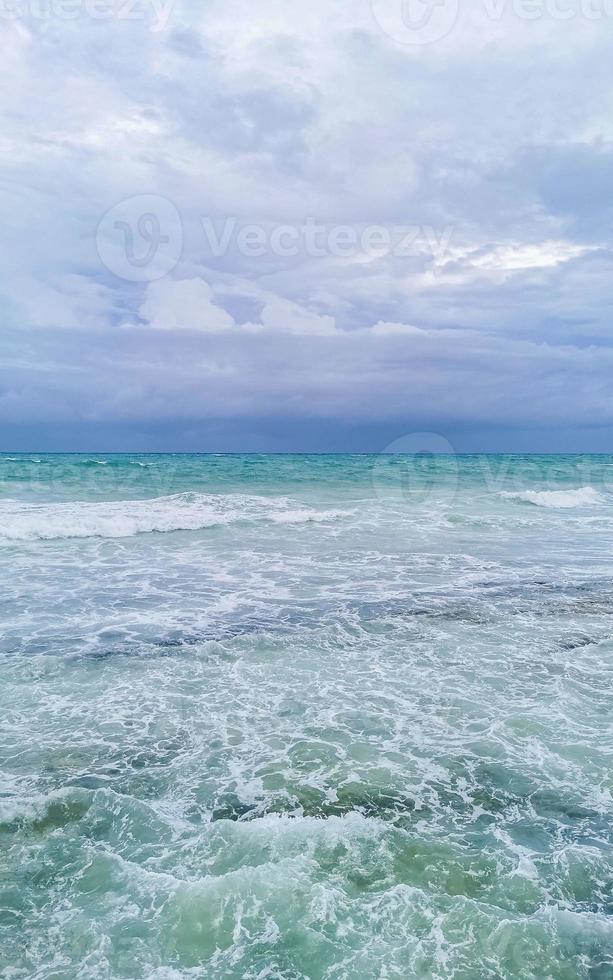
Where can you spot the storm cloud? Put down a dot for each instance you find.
(275, 218)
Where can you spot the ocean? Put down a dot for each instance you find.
(306, 717)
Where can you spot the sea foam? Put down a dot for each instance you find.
(25, 521)
(577, 497)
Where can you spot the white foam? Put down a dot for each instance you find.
(25, 521)
(577, 497)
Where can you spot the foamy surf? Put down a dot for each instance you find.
(579, 497)
(24, 521)
(280, 748)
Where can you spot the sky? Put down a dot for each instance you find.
(306, 225)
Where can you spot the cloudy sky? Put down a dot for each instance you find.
(306, 224)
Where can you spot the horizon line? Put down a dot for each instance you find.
(174, 452)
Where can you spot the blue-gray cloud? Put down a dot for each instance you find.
(412, 233)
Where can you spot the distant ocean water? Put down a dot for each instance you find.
(306, 717)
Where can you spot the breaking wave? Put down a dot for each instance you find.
(24, 521)
(577, 497)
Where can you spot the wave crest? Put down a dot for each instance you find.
(577, 497)
(24, 521)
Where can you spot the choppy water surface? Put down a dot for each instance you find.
(324, 717)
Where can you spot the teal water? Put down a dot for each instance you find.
(322, 717)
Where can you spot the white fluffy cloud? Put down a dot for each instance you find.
(183, 304)
(282, 314)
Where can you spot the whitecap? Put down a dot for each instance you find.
(577, 497)
(25, 521)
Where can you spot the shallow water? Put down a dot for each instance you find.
(324, 717)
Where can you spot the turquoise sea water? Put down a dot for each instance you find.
(300, 716)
